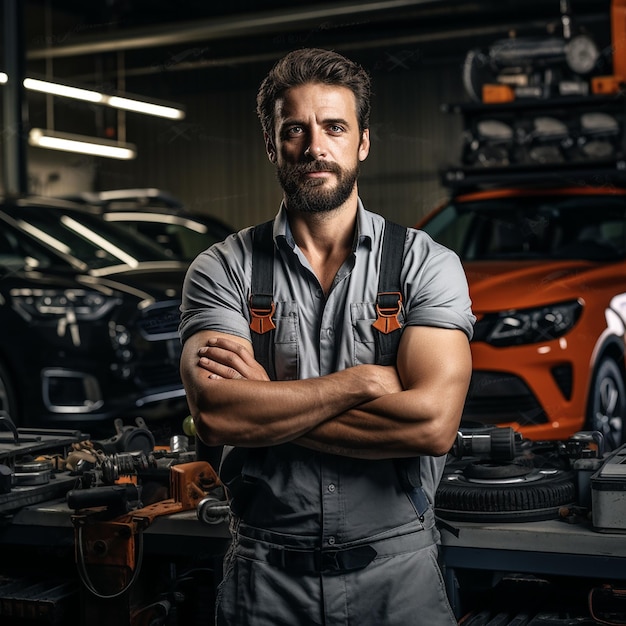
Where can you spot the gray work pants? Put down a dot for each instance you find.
(402, 585)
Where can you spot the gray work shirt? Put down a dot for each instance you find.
(300, 492)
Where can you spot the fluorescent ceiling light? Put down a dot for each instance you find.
(63, 90)
(144, 107)
(79, 143)
(118, 102)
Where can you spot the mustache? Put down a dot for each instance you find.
(316, 166)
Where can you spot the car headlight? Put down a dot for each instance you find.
(82, 304)
(523, 326)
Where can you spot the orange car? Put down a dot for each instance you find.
(547, 274)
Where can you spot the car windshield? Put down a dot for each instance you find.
(182, 237)
(83, 237)
(590, 227)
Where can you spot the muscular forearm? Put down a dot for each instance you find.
(257, 413)
(387, 428)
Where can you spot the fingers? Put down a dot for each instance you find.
(233, 355)
(226, 351)
(225, 358)
(228, 344)
(218, 370)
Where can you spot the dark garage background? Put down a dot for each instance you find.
(210, 57)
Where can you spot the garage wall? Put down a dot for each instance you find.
(411, 140)
(215, 161)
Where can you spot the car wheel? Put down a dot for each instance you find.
(8, 404)
(607, 404)
(507, 492)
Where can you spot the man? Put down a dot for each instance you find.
(324, 531)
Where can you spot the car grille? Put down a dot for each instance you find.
(159, 365)
(159, 375)
(494, 398)
(160, 321)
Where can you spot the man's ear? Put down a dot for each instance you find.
(364, 147)
(270, 148)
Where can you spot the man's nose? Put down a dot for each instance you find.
(316, 148)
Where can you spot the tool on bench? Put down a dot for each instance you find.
(109, 531)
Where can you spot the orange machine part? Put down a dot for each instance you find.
(496, 94)
(618, 38)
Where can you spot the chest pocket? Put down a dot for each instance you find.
(364, 335)
(286, 348)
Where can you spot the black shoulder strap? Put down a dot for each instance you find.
(389, 298)
(261, 305)
(262, 296)
(388, 306)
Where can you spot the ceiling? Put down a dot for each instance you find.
(186, 42)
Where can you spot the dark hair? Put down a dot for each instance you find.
(313, 65)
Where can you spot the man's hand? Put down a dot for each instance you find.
(225, 358)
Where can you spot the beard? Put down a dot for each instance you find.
(310, 196)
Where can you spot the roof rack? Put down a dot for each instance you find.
(564, 141)
(563, 174)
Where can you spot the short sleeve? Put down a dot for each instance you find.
(436, 288)
(215, 289)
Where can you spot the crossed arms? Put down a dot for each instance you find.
(366, 411)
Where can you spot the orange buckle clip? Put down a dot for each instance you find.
(261, 318)
(388, 308)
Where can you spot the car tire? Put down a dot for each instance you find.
(484, 491)
(8, 403)
(607, 404)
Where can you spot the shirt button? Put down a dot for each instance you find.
(331, 488)
(331, 541)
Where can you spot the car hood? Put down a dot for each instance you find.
(158, 280)
(496, 286)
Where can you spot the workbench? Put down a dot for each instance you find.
(50, 522)
(552, 548)
(543, 548)
(41, 539)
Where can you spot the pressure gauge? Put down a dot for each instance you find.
(581, 54)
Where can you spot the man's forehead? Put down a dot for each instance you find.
(320, 95)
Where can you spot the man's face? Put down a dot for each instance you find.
(317, 146)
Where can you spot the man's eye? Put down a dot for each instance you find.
(336, 129)
(294, 130)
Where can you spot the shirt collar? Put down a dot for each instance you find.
(282, 231)
(364, 228)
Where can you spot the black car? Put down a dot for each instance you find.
(89, 315)
(161, 217)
